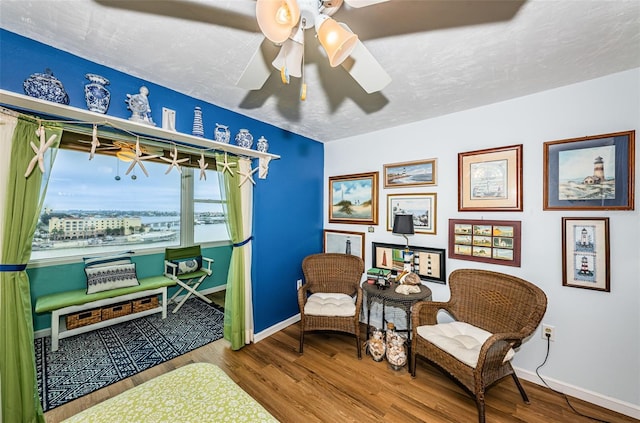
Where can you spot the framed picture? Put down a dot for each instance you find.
(344, 242)
(490, 180)
(421, 206)
(585, 252)
(488, 241)
(410, 174)
(354, 199)
(428, 263)
(590, 173)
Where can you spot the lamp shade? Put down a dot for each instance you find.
(276, 18)
(403, 224)
(290, 56)
(337, 41)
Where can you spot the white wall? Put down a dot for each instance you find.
(597, 347)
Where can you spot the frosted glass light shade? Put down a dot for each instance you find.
(336, 40)
(276, 18)
(290, 56)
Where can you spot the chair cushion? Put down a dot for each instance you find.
(461, 340)
(330, 304)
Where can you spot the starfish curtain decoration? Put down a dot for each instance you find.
(247, 176)
(95, 143)
(138, 158)
(203, 167)
(173, 161)
(226, 166)
(39, 157)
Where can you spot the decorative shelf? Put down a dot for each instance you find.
(49, 109)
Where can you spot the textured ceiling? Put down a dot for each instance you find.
(442, 56)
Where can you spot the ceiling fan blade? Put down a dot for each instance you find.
(363, 3)
(365, 69)
(258, 70)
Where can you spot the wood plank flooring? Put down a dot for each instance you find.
(329, 384)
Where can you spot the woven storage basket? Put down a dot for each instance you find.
(145, 303)
(84, 318)
(116, 310)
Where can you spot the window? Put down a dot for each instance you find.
(93, 206)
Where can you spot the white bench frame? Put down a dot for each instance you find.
(59, 326)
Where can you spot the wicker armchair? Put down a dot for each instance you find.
(322, 300)
(507, 307)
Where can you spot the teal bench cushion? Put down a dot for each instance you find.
(60, 300)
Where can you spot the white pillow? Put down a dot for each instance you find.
(104, 278)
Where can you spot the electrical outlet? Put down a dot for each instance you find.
(548, 330)
(298, 284)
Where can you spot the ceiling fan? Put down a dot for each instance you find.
(284, 23)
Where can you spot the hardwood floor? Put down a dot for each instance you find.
(329, 384)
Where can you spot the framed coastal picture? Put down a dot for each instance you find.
(488, 241)
(354, 198)
(344, 242)
(410, 174)
(490, 180)
(590, 173)
(585, 253)
(421, 206)
(428, 263)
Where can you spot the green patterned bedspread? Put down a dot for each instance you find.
(195, 393)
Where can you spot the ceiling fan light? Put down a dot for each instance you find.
(290, 57)
(276, 18)
(336, 40)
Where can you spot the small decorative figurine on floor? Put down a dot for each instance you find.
(139, 106)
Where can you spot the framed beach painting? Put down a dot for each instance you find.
(590, 173)
(354, 198)
(421, 206)
(344, 242)
(410, 174)
(490, 180)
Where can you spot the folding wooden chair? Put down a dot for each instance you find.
(185, 266)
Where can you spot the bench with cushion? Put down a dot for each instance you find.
(61, 304)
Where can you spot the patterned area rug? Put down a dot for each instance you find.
(90, 361)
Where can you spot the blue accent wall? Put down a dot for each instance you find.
(287, 205)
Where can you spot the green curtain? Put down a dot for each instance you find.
(234, 304)
(24, 196)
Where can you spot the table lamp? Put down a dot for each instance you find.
(403, 225)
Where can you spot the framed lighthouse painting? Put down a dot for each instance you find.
(585, 252)
(590, 173)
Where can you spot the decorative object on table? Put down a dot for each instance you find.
(244, 138)
(487, 241)
(396, 350)
(376, 345)
(407, 289)
(428, 263)
(354, 198)
(198, 127)
(403, 225)
(421, 205)
(411, 279)
(382, 282)
(344, 242)
(585, 253)
(95, 93)
(45, 86)
(590, 173)
(139, 106)
(221, 134)
(262, 145)
(39, 150)
(491, 179)
(410, 174)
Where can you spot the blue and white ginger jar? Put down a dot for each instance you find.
(221, 134)
(45, 86)
(244, 138)
(95, 94)
(262, 145)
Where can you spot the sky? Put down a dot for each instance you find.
(78, 183)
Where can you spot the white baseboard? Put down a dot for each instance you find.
(275, 328)
(622, 407)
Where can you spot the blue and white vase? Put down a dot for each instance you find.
(262, 145)
(221, 134)
(244, 138)
(45, 86)
(95, 94)
(198, 127)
